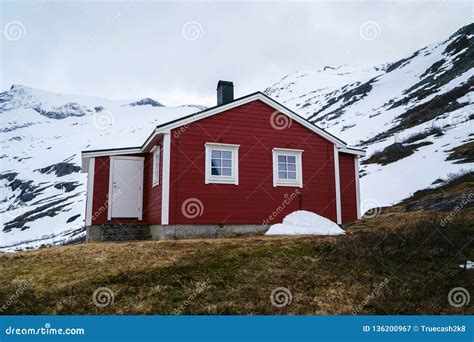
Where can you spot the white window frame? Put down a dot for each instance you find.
(298, 182)
(156, 168)
(214, 179)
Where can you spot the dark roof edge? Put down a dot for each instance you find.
(215, 107)
(241, 98)
(111, 149)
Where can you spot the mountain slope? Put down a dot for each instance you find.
(42, 190)
(413, 116)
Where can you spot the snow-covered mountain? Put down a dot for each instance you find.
(414, 116)
(42, 192)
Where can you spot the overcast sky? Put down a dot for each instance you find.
(176, 52)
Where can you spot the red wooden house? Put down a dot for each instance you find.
(232, 169)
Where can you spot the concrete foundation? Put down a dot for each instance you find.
(203, 231)
(94, 233)
(112, 233)
(118, 232)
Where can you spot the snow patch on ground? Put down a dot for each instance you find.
(469, 265)
(304, 222)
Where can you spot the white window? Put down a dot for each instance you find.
(287, 170)
(156, 165)
(222, 163)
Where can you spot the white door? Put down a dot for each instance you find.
(126, 187)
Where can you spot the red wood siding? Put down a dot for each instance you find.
(101, 193)
(255, 199)
(152, 194)
(348, 187)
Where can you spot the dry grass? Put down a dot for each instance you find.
(462, 153)
(325, 275)
(413, 255)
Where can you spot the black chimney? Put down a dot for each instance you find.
(225, 92)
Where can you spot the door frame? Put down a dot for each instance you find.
(111, 177)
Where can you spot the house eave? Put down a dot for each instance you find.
(355, 151)
(87, 155)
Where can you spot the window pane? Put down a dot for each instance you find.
(291, 159)
(215, 154)
(226, 171)
(291, 175)
(282, 175)
(281, 167)
(291, 167)
(226, 155)
(282, 159)
(215, 171)
(215, 162)
(227, 163)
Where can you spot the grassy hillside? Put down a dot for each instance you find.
(401, 261)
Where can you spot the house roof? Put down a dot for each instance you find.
(167, 126)
(187, 117)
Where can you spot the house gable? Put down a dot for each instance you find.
(279, 114)
(256, 197)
